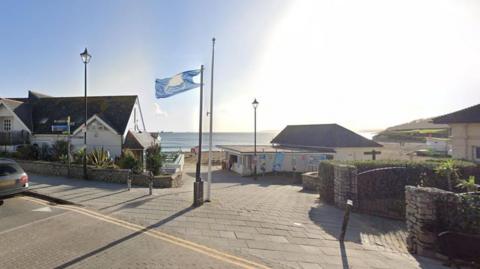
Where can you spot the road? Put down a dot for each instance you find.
(35, 234)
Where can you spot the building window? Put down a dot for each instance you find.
(477, 153)
(7, 125)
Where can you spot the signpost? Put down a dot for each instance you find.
(374, 154)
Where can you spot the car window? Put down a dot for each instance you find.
(7, 169)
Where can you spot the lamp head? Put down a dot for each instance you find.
(85, 56)
(255, 103)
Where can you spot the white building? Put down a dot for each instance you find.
(441, 145)
(40, 119)
(346, 144)
(300, 148)
(240, 159)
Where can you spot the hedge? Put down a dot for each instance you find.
(417, 173)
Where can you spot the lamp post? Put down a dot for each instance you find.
(85, 59)
(255, 105)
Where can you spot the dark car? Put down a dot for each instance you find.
(13, 179)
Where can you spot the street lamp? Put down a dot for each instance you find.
(85, 59)
(255, 105)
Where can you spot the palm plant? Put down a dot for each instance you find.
(100, 158)
(468, 184)
(448, 169)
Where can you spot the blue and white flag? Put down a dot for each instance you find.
(179, 83)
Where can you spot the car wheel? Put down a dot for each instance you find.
(1, 202)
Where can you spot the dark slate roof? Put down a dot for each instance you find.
(36, 95)
(23, 111)
(141, 140)
(114, 110)
(467, 115)
(321, 136)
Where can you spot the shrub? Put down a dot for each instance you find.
(418, 173)
(129, 161)
(100, 158)
(60, 150)
(5, 154)
(44, 152)
(155, 159)
(459, 215)
(78, 156)
(26, 152)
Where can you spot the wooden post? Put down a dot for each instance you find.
(373, 153)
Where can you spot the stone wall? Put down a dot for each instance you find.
(345, 185)
(161, 181)
(421, 216)
(100, 174)
(310, 181)
(326, 178)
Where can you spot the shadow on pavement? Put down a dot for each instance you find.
(330, 219)
(138, 201)
(380, 230)
(74, 182)
(123, 239)
(101, 196)
(343, 253)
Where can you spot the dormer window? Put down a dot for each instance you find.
(7, 125)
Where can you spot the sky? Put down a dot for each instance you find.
(362, 64)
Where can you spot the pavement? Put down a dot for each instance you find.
(34, 234)
(266, 222)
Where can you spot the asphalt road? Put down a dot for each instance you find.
(35, 234)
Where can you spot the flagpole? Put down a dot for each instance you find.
(198, 184)
(209, 186)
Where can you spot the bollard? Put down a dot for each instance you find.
(346, 217)
(129, 181)
(150, 184)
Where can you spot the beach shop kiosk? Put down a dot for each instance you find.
(240, 159)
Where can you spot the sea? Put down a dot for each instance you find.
(185, 141)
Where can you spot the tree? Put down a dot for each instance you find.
(155, 159)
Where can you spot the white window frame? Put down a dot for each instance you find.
(7, 122)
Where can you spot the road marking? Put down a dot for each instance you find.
(225, 257)
(43, 209)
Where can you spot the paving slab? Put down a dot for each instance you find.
(268, 220)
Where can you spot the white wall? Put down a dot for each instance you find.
(6, 114)
(351, 154)
(98, 136)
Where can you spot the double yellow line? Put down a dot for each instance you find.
(222, 256)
